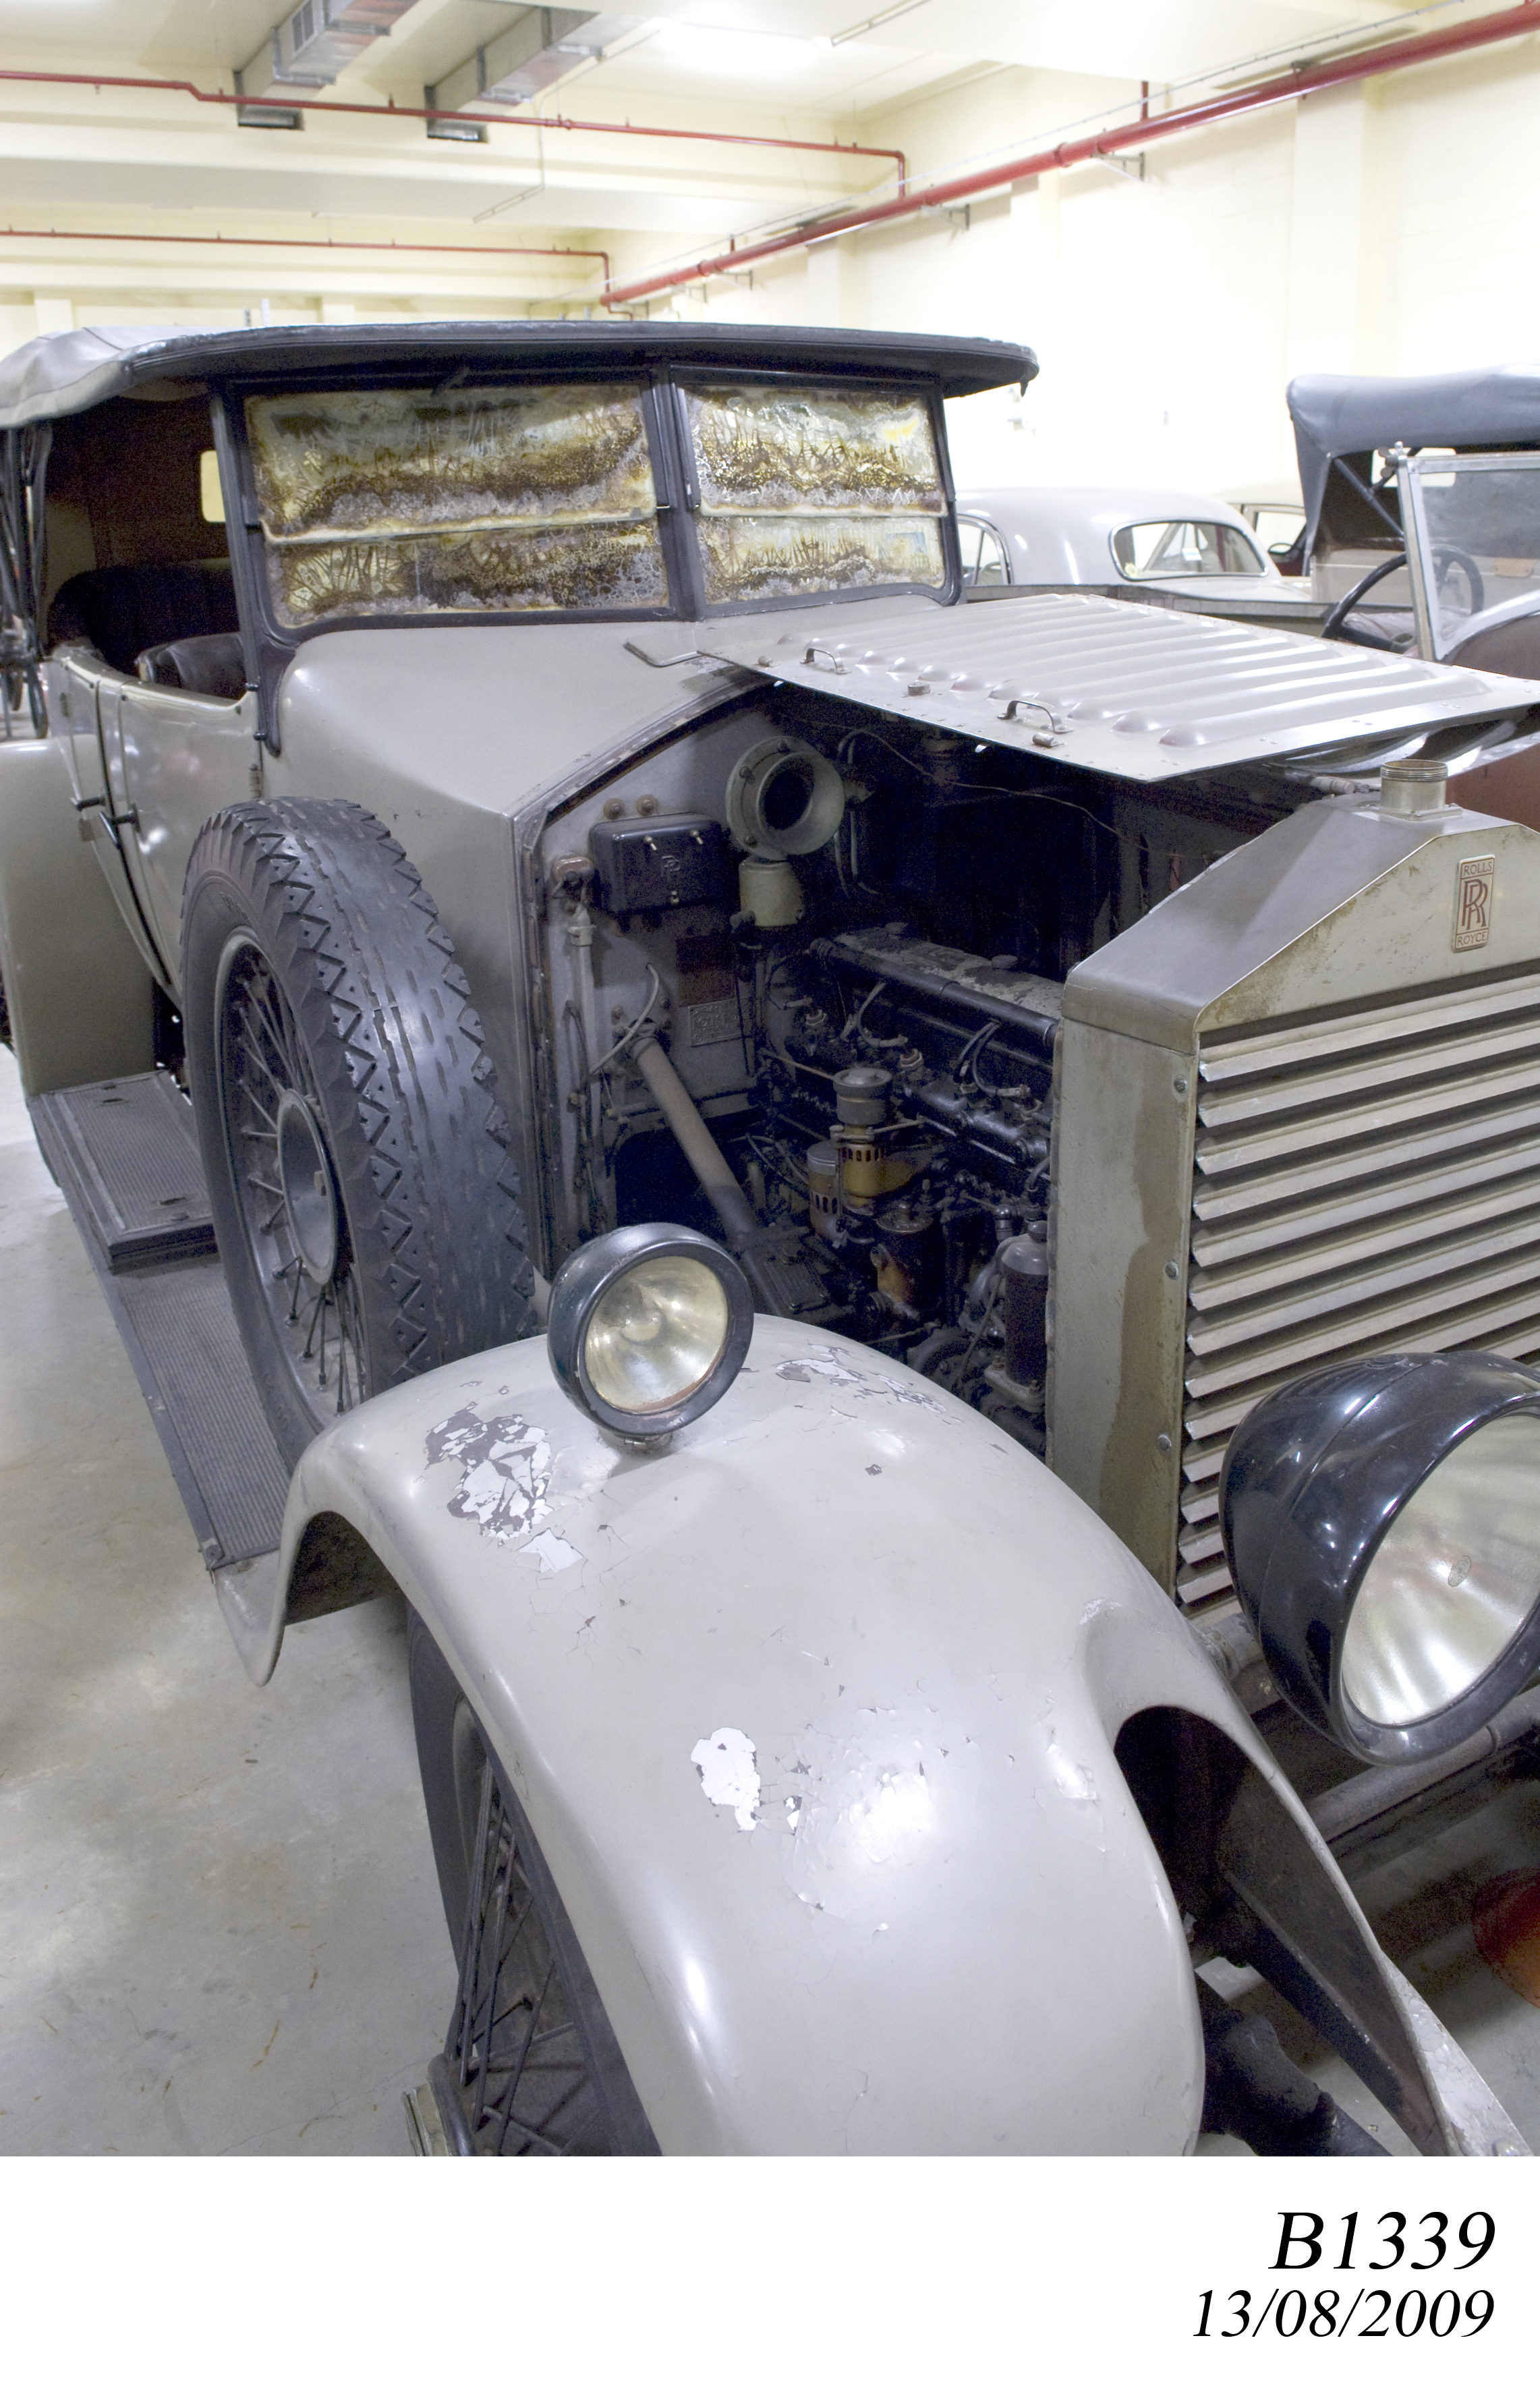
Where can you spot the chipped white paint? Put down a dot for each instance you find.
(824, 1361)
(902, 1394)
(553, 1552)
(506, 1477)
(827, 1361)
(725, 1761)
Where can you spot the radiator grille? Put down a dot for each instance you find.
(1363, 1182)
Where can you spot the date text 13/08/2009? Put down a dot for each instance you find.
(1363, 2311)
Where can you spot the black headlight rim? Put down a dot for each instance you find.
(589, 1273)
(1358, 1438)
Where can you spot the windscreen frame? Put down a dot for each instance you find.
(272, 644)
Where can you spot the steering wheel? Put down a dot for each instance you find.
(1451, 565)
(1448, 563)
(1336, 625)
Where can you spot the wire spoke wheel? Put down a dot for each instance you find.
(285, 1186)
(363, 1196)
(531, 2066)
(513, 2057)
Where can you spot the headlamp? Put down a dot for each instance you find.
(1381, 1519)
(649, 1327)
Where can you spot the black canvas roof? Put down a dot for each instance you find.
(1348, 415)
(65, 372)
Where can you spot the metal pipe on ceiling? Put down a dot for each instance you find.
(1354, 66)
(458, 115)
(260, 240)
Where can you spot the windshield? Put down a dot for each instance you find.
(1482, 519)
(814, 489)
(1484, 529)
(1179, 551)
(474, 500)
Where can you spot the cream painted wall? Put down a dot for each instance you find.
(1383, 228)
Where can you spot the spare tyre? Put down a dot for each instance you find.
(363, 1195)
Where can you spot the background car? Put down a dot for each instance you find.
(1457, 579)
(1172, 541)
(1275, 513)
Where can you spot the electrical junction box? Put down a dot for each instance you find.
(658, 866)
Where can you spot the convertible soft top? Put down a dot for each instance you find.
(66, 372)
(1350, 414)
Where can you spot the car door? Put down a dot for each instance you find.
(177, 756)
(86, 695)
(149, 766)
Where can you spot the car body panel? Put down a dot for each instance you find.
(812, 1715)
(928, 1646)
(1132, 690)
(1057, 537)
(80, 994)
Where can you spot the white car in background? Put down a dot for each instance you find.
(1123, 541)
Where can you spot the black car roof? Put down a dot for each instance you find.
(65, 372)
(1350, 415)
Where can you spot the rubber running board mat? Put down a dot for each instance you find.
(180, 1333)
(125, 1152)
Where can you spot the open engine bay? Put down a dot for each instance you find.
(852, 938)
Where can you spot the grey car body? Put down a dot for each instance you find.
(1147, 541)
(1044, 877)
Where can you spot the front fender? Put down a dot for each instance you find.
(813, 1716)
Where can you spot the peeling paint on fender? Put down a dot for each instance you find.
(553, 1552)
(505, 1479)
(827, 1361)
(724, 1761)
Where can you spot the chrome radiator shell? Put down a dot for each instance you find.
(1296, 1120)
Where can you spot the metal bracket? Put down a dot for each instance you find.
(1057, 723)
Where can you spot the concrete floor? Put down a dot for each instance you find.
(220, 1930)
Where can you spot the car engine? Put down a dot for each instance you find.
(853, 942)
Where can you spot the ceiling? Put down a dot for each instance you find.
(815, 71)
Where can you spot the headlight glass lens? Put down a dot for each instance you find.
(656, 1333)
(1455, 1578)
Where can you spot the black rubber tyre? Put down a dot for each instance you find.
(362, 1196)
(548, 2077)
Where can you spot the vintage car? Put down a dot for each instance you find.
(517, 823)
(1422, 528)
(1171, 544)
(1276, 515)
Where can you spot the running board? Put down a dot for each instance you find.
(124, 1152)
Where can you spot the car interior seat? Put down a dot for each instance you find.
(125, 611)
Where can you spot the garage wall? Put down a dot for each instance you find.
(1385, 229)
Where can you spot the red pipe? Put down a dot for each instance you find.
(255, 240)
(1352, 68)
(448, 116)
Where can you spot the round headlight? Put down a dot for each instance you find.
(649, 1327)
(1382, 1525)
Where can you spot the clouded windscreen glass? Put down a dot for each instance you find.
(811, 489)
(462, 501)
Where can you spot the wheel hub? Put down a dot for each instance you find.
(304, 1175)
